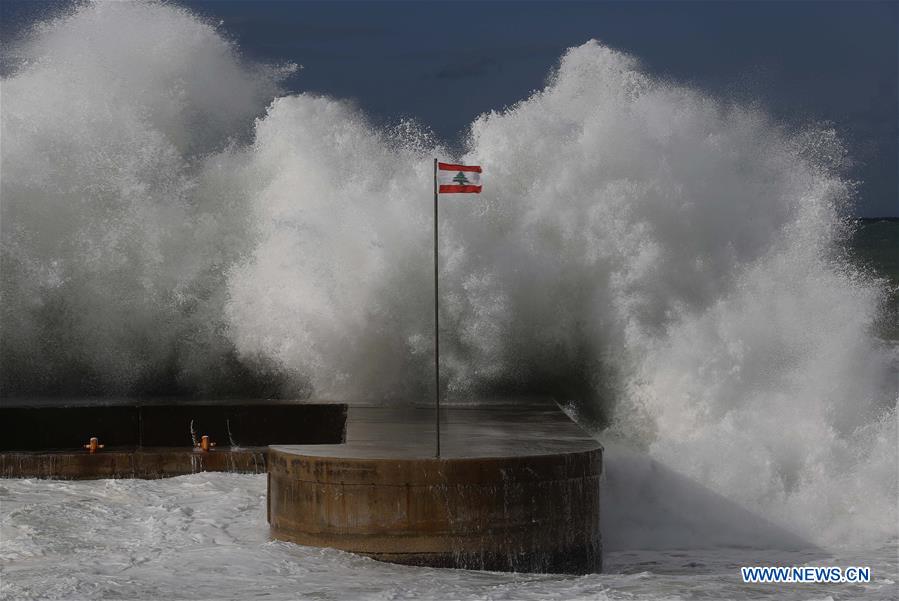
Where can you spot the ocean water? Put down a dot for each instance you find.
(677, 267)
(205, 537)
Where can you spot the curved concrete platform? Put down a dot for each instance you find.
(516, 488)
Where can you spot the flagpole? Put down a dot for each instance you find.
(436, 322)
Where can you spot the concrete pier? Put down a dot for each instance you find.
(154, 438)
(146, 463)
(45, 424)
(516, 489)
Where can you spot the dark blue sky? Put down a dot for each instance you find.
(804, 61)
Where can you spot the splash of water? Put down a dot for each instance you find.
(121, 205)
(669, 261)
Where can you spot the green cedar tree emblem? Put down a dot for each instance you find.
(461, 179)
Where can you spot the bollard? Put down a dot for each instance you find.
(205, 444)
(93, 445)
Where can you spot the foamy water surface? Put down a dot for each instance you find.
(205, 537)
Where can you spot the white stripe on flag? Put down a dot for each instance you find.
(458, 178)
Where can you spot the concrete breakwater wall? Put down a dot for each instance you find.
(155, 439)
(516, 488)
(131, 463)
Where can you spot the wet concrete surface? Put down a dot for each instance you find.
(532, 427)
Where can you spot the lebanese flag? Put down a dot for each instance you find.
(458, 179)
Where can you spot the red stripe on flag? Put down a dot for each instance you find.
(452, 167)
(445, 189)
